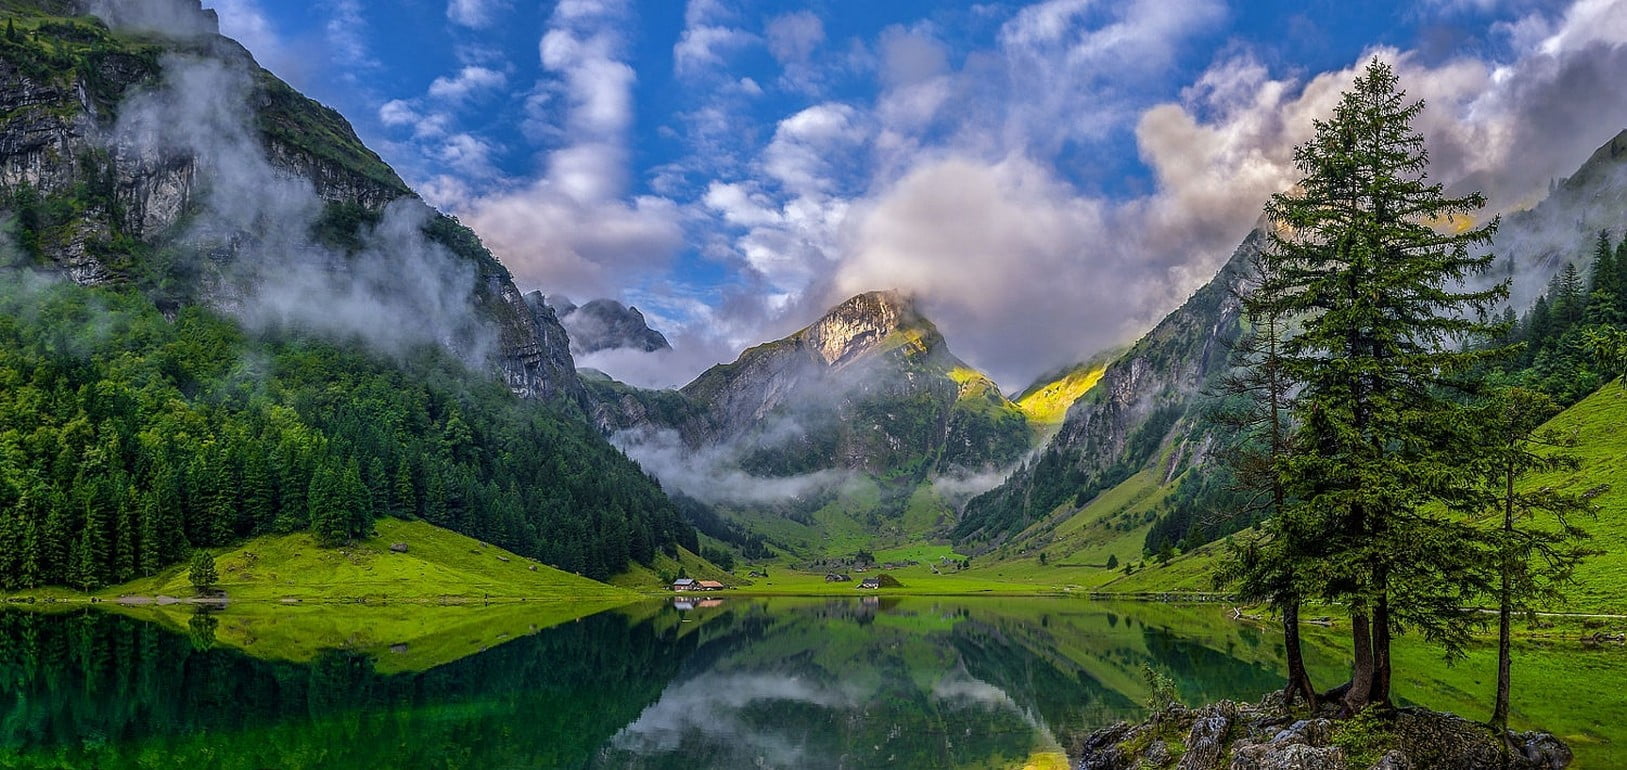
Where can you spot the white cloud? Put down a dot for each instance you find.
(475, 13)
(398, 112)
(792, 40)
(1022, 269)
(346, 33)
(467, 82)
(574, 229)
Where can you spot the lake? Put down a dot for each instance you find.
(731, 683)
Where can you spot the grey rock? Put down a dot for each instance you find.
(1393, 760)
(1291, 756)
(1206, 742)
(605, 324)
(1100, 750)
(1544, 751)
(1156, 755)
(398, 547)
(1312, 732)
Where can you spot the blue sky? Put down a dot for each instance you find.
(1048, 177)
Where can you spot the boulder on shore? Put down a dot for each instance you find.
(1266, 736)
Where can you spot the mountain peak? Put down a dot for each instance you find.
(864, 322)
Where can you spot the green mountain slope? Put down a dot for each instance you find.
(1146, 411)
(224, 317)
(1596, 424)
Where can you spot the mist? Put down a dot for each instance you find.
(250, 223)
(712, 474)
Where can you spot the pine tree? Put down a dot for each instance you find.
(1370, 280)
(1603, 275)
(405, 499)
(125, 549)
(358, 501)
(201, 572)
(258, 498)
(1255, 413)
(328, 514)
(1569, 298)
(1530, 564)
(1621, 278)
(151, 556)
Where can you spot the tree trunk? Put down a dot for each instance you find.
(1381, 653)
(1361, 667)
(1299, 680)
(1505, 609)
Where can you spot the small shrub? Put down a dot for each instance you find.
(1164, 692)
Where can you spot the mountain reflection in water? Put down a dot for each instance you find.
(687, 683)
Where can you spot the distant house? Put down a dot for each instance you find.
(709, 585)
(684, 584)
(837, 577)
(883, 580)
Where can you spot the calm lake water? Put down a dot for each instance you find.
(738, 683)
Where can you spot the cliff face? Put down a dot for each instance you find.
(605, 324)
(89, 144)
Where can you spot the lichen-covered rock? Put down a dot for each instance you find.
(1264, 736)
(1393, 760)
(1206, 741)
(1432, 739)
(1288, 756)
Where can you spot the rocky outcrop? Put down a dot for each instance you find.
(605, 324)
(1233, 736)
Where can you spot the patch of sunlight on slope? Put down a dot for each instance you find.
(1046, 759)
(439, 565)
(1047, 404)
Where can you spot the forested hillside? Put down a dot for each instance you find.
(248, 324)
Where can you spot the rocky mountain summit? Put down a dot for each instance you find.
(870, 386)
(605, 324)
(1264, 736)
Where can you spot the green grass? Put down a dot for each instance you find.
(1079, 543)
(439, 566)
(658, 576)
(916, 581)
(399, 637)
(1599, 424)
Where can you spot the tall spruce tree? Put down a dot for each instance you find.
(1255, 401)
(1530, 563)
(1369, 273)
